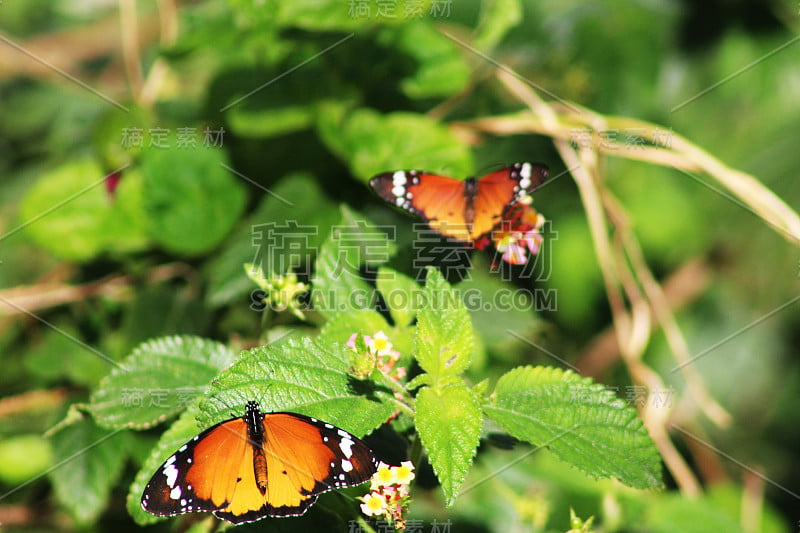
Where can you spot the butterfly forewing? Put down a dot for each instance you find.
(438, 200)
(169, 492)
(215, 471)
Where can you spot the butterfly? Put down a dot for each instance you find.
(462, 210)
(258, 465)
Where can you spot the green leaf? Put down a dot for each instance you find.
(405, 140)
(69, 213)
(125, 226)
(401, 293)
(160, 378)
(191, 199)
(674, 513)
(297, 213)
(581, 422)
(342, 326)
(449, 424)
(496, 18)
(23, 458)
(338, 285)
(288, 106)
(444, 330)
(158, 310)
(368, 322)
(110, 130)
(307, 377)
(441, 67)
(57, 356)
(501, 312)
(326, 15)
(90, 461)
(178, 434)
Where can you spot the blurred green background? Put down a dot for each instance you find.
(240, 103)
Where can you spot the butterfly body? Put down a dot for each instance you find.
(258, 465)
(464, 210)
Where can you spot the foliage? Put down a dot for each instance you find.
(186, 225)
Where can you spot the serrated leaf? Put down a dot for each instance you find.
(445, 339)
(297, 215)
(160, 378)
(192, 201)
(579, 421)
(90, 461)
(178, 434)
(406, 140)
(338, 285)
(449, 423)
(307, 377)
(401, 294)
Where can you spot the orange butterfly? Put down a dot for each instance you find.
(258, 465)
(462, 210)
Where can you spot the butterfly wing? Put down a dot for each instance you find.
(214, 471)
(500, 190)
(438, 200)
(202, 474)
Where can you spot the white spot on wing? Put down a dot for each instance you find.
(175, 493)
(525, 173)
(171, 473)
(347, 466)
(346, 445)
(398, 190)
(399, 178)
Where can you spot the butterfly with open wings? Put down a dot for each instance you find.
(463, 210)
(258, 465)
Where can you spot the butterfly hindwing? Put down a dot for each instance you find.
(498, 191)
(216, 471)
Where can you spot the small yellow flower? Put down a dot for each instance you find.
(404, 473)
(380, 344)
(374, 504)
(383, 477)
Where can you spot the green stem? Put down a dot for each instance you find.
(266, 318)
(415, 451)
(364, 525)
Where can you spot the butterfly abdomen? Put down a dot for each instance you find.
(255, 435)
(470, 193)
